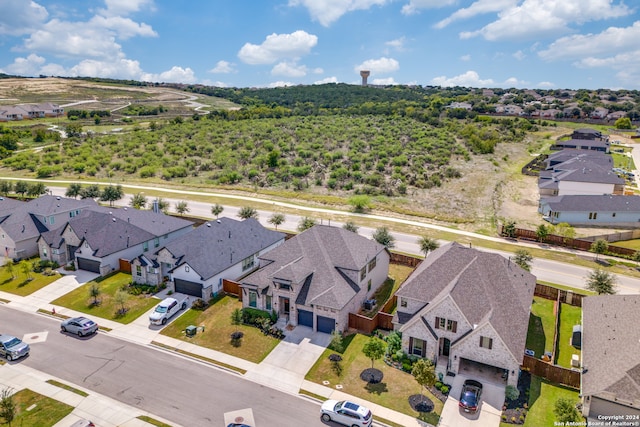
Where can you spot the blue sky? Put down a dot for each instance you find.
(545, 44)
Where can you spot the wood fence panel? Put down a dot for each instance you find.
(362, 323)
(553, 373)
(231, 287)
(125, 265)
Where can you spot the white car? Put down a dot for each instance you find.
(167, 308)
(347, 413)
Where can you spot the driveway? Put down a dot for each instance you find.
(490, 408)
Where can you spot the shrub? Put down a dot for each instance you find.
(444, 389)
(406, 366)
(504, 417)
(199, 304)
(253, 316)
(438, 385)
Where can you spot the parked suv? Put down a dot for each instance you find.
(13, 348)
(347, 413)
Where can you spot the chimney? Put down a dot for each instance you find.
(155, 206)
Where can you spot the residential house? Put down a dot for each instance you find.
(588, 133)
(30, 111)
(583, 144)
(579, 175)
(462, 105)
(463, 307)
(9, 113)
(599, 113)
(99, 238)
(511, 109)
(199, 260)
(615, 115)
(610, 381)
(317, 278)
(22, 224)
(592, 210)
(597, 157)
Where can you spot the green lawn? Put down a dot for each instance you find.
(631, 244)
(19, 284)
(569, 316)
(216, 320)
(80, 300)
(46, 412)
(541, 326)
(394, 390)
(542, 398)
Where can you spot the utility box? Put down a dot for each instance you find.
(190, 331)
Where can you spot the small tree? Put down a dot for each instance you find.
(374, 349)
(565, 411)
(7, 406)
(306, 223)
(112, 193)
(247, 212)
(623, 123)
(21, 188)
(182, 207)
(138, 201)
(94, 292)
(509, 229)
(217, 210)
(336, 341)
(384, 237)
(74, 190)
(360, 202)
(600, 247)
(601, 282)
(565, 230)
(427, 244)
(636, 256)
(25, 268)
(276, 219)
(121, 297)
(90, 192)
(523, 258)
(542, 232)
(236, 317)
(163, 205)
(350, 226)
(6, 187)
(9, 266)
(511, 392)
(425, 373)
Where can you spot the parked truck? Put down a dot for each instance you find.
(166, 309)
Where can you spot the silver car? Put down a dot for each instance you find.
(79, 325)
(13, 348)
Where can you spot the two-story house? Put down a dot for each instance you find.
(464, 307)
(579, 175)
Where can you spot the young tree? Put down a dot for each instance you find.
(509, 229)
(247, 212)
(36, 189)
(565, 411)
(360, 202)
(306, 223)
(523, 258)
(384, 237)
(542, 232)
(181, 207)
(94, 292)
(351, 226)
(121, 297)
(21, 188)
(9, 266)
(601, 282)
(90, 192)
(336, 341)
(163, 206)
(6, 187)
(600, 247)
(138, 201)
(565, 230)
(112, 193)
(74, 190)
(425, 373)
(374, 349)
(276, 219)
(217, 210)
(25, 268)
(236, 317)
(427, 244)
(7, 406)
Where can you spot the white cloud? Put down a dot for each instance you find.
(125, 7)
(223, 67)
(546, 85)
(542, 18)
(519, 55)
(317, 70)
(468, 79)
(174, 75)
(414, 6)
(328, 11)
(121, 68)
(383, 82)
(397, 44)
(379, 66)
(326, 80)
(476, 8)
(277, 47)
(289, 69)
(465, 57)
(280, 84)
(513, 82)
(123, 28)
(21, 17)
(29, 66)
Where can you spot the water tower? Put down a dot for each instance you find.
(364, 74)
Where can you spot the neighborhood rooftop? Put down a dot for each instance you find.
(596, 203)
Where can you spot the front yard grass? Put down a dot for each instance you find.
(19, 284)
(569, 316)
(216, 319)
(46, 411)
(542, 398)
(392, 392)
(80, 300)
(541, 326)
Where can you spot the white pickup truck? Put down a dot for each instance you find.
(166, 309)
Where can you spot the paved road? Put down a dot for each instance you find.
(181, 390)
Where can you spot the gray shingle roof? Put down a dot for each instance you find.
(484, 285)
(611, 345)
(584, 144)
(580, 170)
(593, 203)
(319, 253)
(211, 249)
(157, 224)
(598, 157)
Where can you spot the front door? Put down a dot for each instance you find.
(445, 346)
(285, 306)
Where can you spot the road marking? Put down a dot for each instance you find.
(35, 337)
(242, 416)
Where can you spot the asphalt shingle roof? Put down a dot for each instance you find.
(593, 203)
(580, 170)
(597, 157)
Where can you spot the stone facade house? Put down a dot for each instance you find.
(317, 278)
(464, 307)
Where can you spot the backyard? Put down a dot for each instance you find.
(392, 392)
(541, 326)
(216, 320)
(569, 316)
(81, 300)
(18, 283)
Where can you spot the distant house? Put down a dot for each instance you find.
(599, 113)
(579, 175)
(317, 278)
(592, 210)
(30, 111)
(583, 144)
(616, 115)
(461, 105)
(463, 307)
(9, 113)
(511, 109)
(550, 113)
(199, 260)
(97, 239)
(610, 383)
(588, 133)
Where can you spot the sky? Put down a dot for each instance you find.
(546, 44)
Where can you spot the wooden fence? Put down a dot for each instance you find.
(560, 295)
(553, 373)
(231, 287)
(406, 260)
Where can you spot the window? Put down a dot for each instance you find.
(441, 322)
(452, 325)
(138, 270)
(486, 342)
(186, 268)
(284, 286)
(403, 302)
(52, 219)
(44, 251)
(363, 273)
(593, 215)
(613, 214)
(156, 242)
(253, 297)
(166, 236)
(248, 263)
(145, 246)
(369, 285)
(372, 264)
(267, 302)
(417, 346)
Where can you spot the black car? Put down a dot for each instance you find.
(470, 396)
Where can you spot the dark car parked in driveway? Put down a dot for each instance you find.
(470, 396)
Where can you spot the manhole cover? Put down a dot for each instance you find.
(34, 337)
(239, 420)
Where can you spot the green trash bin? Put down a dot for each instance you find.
(190, 331)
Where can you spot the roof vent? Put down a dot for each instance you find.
(125, 208)
(208, 225)
(218, 221)
(113, 219)
(57, 197)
